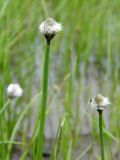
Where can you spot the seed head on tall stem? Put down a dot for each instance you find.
(100, 102)
(49, 28)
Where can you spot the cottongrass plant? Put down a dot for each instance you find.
(48, 28)
(13, 91)
(99, 102)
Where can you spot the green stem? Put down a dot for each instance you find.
(2, 145)
(17, 125)
(4, 107)
(57, 139)
(101, 135)
(43, 105)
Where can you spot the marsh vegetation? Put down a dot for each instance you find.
(84, 60)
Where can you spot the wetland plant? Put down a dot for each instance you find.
(48, 28)
(99, 102)
(13, 91)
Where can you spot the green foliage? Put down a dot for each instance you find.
(84, 60)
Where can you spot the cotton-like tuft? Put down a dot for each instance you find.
(14, 90)
(50, 26)
(99, 102)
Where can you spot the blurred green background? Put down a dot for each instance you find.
(84, 61)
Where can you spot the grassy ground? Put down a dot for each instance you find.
(84, 60)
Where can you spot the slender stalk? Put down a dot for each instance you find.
(43, 105)
(4, 107)
(57, 139)
(53, 154)
(17, 125)
(2, 147)
(101, 135)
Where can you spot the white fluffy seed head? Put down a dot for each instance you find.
(50, 26)
(99, 102)
(14, 90)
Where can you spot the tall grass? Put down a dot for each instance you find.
(87, 53)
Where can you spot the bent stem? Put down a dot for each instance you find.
(5, 106)
(43, 105)
(101, 134)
